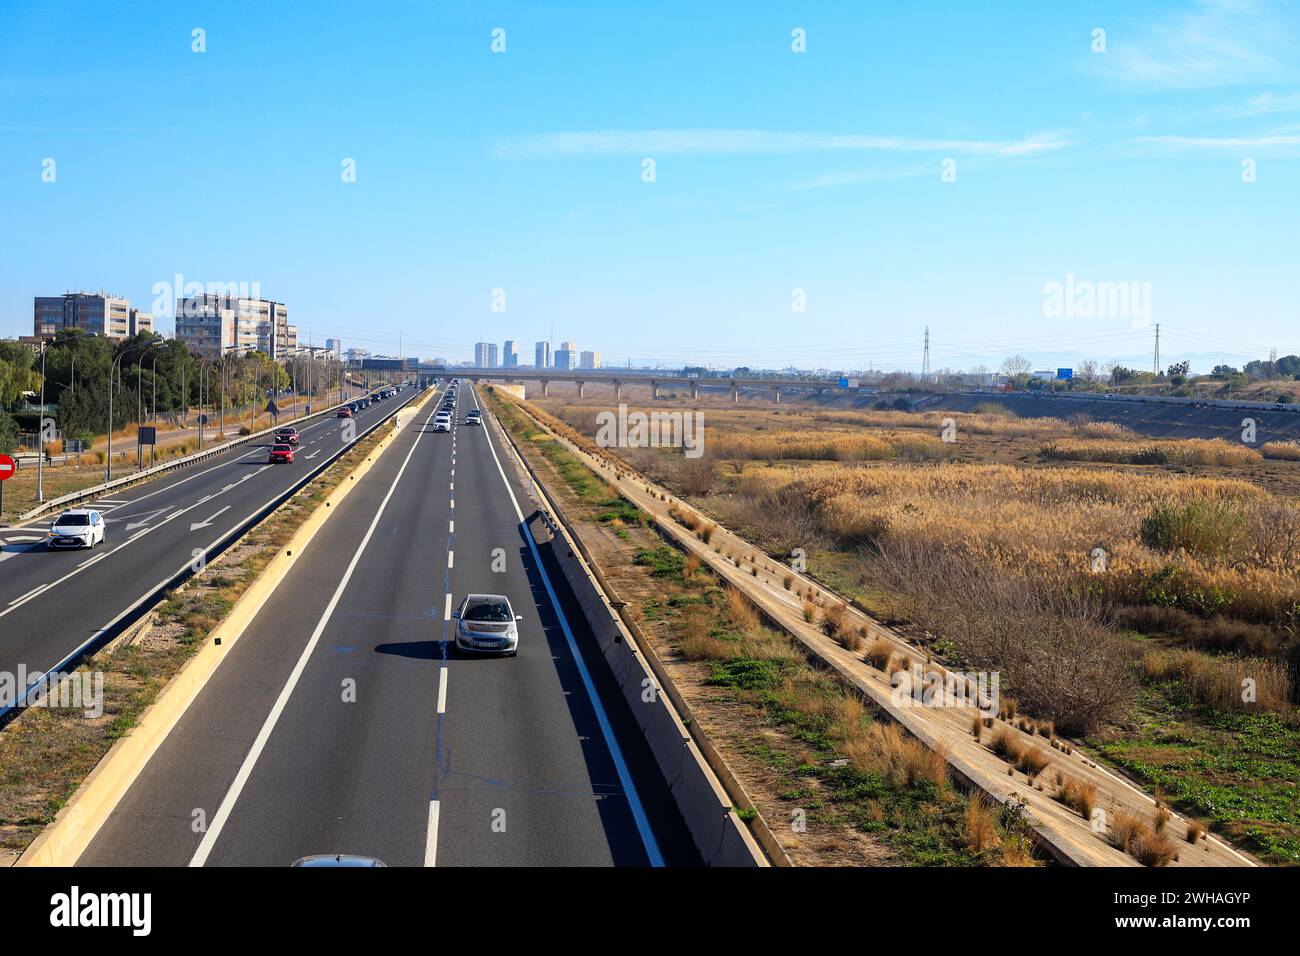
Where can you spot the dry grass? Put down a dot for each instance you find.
(742, 611)
(981, 824)
(879, 653)
(1284, 450)
(1185, 451)
(888, 750)
(1227, 683)
(1080, 795)
(1140, 841)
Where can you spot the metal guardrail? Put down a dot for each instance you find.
(159, 469)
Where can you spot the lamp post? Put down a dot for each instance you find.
(153, 406)
(108, 459)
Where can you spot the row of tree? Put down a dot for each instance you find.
(150, 377)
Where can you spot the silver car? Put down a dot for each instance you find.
(487, 624)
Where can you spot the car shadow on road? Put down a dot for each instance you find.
(417, 650)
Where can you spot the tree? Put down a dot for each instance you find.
(17, 372)
(8, 433)
(1087, 371)
(1180, 369)
(1016, 366)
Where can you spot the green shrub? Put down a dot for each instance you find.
(1204, 528)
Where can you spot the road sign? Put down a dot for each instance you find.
(203, 419)
(1064, 374)
(272, 408)
(7, 467)
(148, 435)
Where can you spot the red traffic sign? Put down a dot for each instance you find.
(7, 467)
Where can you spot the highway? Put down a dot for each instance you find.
(346, 721)
(54, 604)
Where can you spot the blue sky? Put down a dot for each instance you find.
(774, 171)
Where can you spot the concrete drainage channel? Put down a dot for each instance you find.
(706, 791)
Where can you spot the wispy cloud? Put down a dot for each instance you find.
(1262, 105)
(1222, 142)
(663, 142)
(1220, 43)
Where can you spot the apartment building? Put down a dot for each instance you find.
(589, 360)
(107, 315)
(543, 355)
(510, 355)
(566, 356)
(210, 323)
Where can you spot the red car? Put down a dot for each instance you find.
(344, 412)
(287, 434)
(281, 452)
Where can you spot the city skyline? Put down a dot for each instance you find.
(831, 238)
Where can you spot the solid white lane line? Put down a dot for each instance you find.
(607, 732)
(431, 838)
(32, 593)
(250, 760)
(442, 690)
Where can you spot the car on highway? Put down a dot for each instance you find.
(442, 423)
(338, 859)
(487, 624)
(287, 434)
(76, 528)
(474, 417)
(344, 412)
(280, 452)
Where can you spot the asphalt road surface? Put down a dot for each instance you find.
(345, 721)
(54, 603)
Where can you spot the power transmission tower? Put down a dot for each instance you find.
(925, 359)
(1155, 367)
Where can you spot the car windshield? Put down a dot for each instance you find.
(281, 448)
(66, 520)
(495, 611)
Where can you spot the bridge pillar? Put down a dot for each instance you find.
(776, 394)
(582, 389)
(695, 390)
(618, 391)
(735, 392)
(545, 387)
(654, 389)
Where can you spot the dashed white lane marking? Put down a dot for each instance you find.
(219, 819)
(451, 559)
(451, 527)
(446, 611)
(442, 690)
(431, 839)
